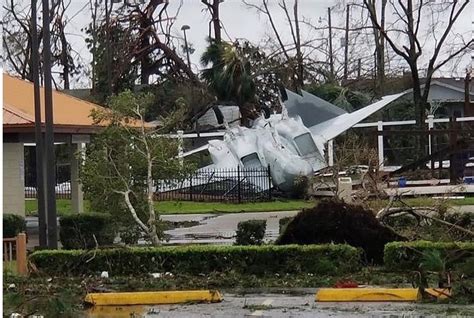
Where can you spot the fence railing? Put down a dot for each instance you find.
(14, 249)
(434, 141)
(218, 185)
(214, 185)
(63, 191)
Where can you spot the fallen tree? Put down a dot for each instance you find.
(338, 222)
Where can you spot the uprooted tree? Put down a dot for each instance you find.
(133, 43)
(124, 161)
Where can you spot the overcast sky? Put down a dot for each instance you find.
(239, 22)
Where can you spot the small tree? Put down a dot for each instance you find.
(123, 161)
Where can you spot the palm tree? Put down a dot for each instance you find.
(229, 75)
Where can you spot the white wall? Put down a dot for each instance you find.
(13, 178)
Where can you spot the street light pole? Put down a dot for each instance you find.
(49, 138)
(184, 28)
(43, 241)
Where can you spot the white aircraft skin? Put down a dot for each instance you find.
(259, 147)
(284, 143)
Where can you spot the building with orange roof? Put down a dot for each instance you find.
(72, 126)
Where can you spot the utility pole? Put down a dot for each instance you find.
(94, 43)
(346, 43)
(107, 41)
(43, 241)
(467, 93)
(331, 58)
(49, 138)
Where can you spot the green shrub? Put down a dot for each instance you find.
(300, 188)
(130, 234)
(409, 255)
(327, 259)
(283, 223)
(77, 231)
(13, 224)
(251, 232)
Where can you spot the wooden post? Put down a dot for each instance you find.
(21, 254)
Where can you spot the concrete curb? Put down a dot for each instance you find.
(153, 298)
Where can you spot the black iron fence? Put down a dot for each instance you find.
(62, 189)
(218, 185)
(213, 185)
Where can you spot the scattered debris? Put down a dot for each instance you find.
(156, 275)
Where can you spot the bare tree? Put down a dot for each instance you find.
(379, 41)
(297, 61)
(406, 40)
(17, 42)
(213, 8)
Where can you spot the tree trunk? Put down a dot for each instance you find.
(216, 21)
(144, 61)
(420, 109)
(64, 56)
(299, 56)
(153, 235)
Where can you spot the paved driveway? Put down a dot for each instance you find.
(214, 228)
(221, 228)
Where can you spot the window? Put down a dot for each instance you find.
(305, 144)
(251, 161)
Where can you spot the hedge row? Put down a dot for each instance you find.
(408, 255)
(328, 259)
(78, 231)
(13, 224)
(250, 232)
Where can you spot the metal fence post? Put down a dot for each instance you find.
(269, 183)
(191, 188)
(238, 183)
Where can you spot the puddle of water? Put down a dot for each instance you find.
(117, 311)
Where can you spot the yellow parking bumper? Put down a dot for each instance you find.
(440, 293)
(153, 298)
(368, 294)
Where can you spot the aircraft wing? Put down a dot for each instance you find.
(331, 128)
(188, 153)
(312, 109)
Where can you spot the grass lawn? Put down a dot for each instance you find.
(187, 207)
(9, 267)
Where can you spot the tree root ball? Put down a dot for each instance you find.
(338, 222)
